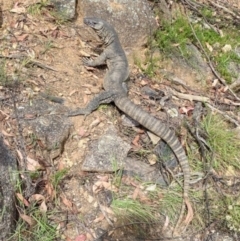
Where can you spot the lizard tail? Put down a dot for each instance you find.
(163, 131)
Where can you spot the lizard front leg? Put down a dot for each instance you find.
(102, 98)
(100, 60)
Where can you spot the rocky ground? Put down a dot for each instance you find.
(42, 54)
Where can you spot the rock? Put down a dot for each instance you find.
(50, 125)
(107, 154)
(133, 20)
(166, 155)
(143, 171)
(197, 63)
(66, 8)
(8, 177)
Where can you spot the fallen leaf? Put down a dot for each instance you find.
(95, 122)
(166, 223)
(81, 132)
(226, 48)
(136, 140)
(151, 187)
(152, 159)
(6, 134)
(103, 178)
(36, 198)
(66, 202)
(17, 9)
(186, 110)
(22, 199)
(22, 37)
(81, 237)
(43, 207)
(209, 47)
(30, 116)
(87, 92)
(99, 218)
(27, 219)
(135, 193)
(154, 138)
(215, 81)
(33, 165)
(73, 92)
(143, 82)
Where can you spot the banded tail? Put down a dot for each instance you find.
(161, 130)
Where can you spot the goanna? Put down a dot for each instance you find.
(115, 91)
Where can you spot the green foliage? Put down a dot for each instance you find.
(233, 215)
(133, 210)
(171, 202)
(224, 143)
(57, 177)
(40, 230)
(6, 80)
(172, 39)
(36, 9)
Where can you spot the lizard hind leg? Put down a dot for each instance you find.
(102, 98)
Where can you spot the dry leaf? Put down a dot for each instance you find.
(136, 140)
(166, 223)
(27, 219)
(81, 237)
(20, 155)
(103, 178)
(32, 165)
(17, 9)
(6, 134)
(66, 202)
(43, 207)
(227, 48)
(209, 47)
(143, 82)
(87, 92)
(95, 122)
(151, 187)
(22, 199)
(36, 198)
(135, 193)
(99, 218)
(22, 37)
(215, 81)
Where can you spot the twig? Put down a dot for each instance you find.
(189, 97)
(34, 62)
(224, 115)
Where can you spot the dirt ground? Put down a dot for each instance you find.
(61, 48)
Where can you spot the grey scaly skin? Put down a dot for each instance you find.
(115, 91)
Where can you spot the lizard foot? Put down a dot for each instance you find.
(87, 61)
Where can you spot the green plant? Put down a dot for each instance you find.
(223, 142)
(172, 39)
(39, 230)
(57, 177)
(133, 210)
(36, 9)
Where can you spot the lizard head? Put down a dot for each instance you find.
(104, 30)
(94, 23)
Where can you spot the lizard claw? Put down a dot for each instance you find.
(86, 61)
